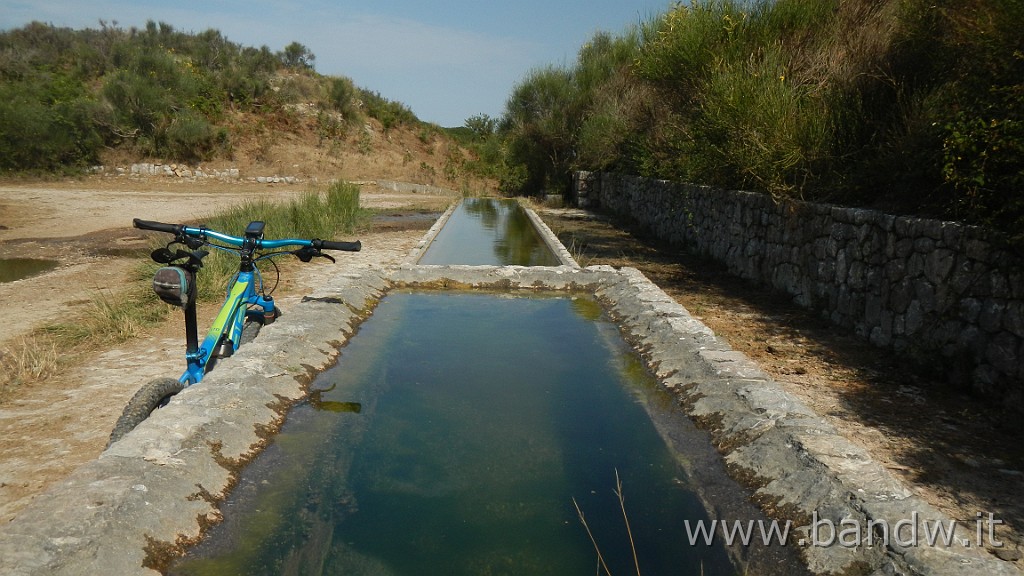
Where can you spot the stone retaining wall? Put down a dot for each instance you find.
(942, 292)
(184, 172)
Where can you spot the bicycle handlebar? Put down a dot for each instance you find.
(332, 245)
(182, 230)
(157, 226)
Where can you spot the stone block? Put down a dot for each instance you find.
(924, 293)
(990, 319)
(1013, 318)
(1002, 353)
(939, 265)
(970, 309)
(977, 249)
(914, 318)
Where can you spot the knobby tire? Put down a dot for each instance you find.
(150, 397)
(158, 392)
(250, 330)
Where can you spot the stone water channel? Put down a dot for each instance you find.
(194, 466)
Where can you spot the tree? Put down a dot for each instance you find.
(296, 55)
(481, 125)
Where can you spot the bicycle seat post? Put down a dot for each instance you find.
(191, 335)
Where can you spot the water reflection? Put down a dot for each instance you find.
(12, 269)
(489, 232)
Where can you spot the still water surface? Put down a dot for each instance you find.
(489, 232)
(451, 438)
(12, 269)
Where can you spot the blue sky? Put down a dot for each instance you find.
(446, 60)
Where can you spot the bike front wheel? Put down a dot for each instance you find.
(151, 396)
(250, 330)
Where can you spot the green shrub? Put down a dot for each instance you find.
(390, 114)
(906, 105)
(342, 96)
(190, 137)
(44, 126)
(157, 91)
(751, 117)
(538, 123)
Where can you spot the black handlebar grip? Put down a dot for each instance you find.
(331, 245)
(157, 226)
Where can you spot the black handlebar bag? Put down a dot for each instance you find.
(175, 286)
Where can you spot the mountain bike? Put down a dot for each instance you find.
(247, 307)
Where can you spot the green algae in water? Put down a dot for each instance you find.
(481, 417)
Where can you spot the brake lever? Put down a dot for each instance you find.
(192, 242)
(195, 259)
(307, 253)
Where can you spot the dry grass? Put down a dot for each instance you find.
(861, 40)
(27, 359)
(110, 317)
(601, 565)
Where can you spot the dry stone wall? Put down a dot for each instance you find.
(185, 173)
(944, 293)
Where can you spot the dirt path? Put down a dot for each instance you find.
(51, 427)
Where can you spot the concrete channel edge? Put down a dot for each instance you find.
(153, 493)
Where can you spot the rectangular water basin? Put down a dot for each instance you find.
(489, 232)
(456, 434)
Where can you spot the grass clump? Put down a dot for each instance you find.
(27, 359)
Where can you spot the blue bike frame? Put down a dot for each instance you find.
(244, 291)
(227, 327)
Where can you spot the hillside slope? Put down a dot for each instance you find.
(298, 149)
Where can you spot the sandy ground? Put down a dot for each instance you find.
(49, 428)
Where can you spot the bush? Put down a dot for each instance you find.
(979, 112)
(752, 116)
(906, 105)
(389, 114)
(44, 127)
(156, 91)
(538, 122)
(190, 137)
